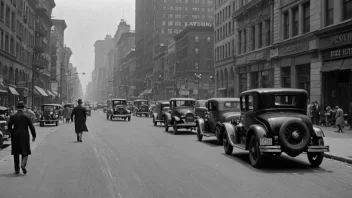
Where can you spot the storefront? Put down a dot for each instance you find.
(3, 95)
(293, 66)
(336, 51)
(13, 95)
(39, 96)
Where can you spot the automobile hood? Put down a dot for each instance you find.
(184, 110)
(274, 120)
(228, 116)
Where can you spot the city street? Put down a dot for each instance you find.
(135, 159)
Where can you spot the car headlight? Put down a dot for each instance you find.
(5, 127)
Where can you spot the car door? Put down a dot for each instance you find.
(248, 107)
(213, 114)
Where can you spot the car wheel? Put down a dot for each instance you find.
(175, 128)
(255, 157)
(227, 145)
(294, 137)
(199, 135)
(315, 159)
(111, 117)
(1, 141)
(166, 126)
(155, 123)
(219, 136)
(57, 123)
(129, 119)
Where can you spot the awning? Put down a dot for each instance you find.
(347, 64)
(55, 93)
(49, 92)
(221, 89)
(331, 66)
(41, 91)
(2, 88)
(13, 91)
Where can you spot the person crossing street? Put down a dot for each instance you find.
(79, 113)
(20, 143)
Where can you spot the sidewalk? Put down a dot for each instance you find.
(340, 144)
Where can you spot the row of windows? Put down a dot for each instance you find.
(7, 42)
(7, 16)
(223, 15)
(294, 22)
(225, 51)
(187, 17)
(194, 9)
(226, 30)
(330, 9)
(209, 2)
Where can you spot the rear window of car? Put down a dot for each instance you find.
(200, 103)
(119, 102)
(185, 103)
(285, 100)
(232, 105)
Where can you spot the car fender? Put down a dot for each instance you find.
(1, 133)
(201, 123)
(258, 130)
(177, 119)
(318, 131)
(168, 117)
(230, 130)
(155, 116)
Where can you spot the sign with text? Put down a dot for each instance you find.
(338, 40)
(294, 49)
(338, 53)
(202, 24)
(258, 56)
(22, 84)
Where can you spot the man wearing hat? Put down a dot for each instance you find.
(79, 112)
(20, 143)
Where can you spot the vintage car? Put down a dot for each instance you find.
(220, 110)
(152, 109)
(159, 112)
(141, 107)
(274, 121)
(201, 108)
(50, 114)
(88, 108)
(4, 132)
(117, 108)
(181, 114)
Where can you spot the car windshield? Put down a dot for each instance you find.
(285, 100)
(232, 105)
(200, 103)
(119, 102)
(48, 108)
(185, 103)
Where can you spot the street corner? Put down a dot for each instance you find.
(340, 149)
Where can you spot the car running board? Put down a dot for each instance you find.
(318, 149)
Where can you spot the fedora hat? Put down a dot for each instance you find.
(79, 101)
(20, 104)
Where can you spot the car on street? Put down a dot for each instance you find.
(152, 109)
(274, 120)
(201, 108)
(117, 108)
(141, 107)
(220, 110)
(88, 107)
(50, 114)
(181, 114)
(161, 108)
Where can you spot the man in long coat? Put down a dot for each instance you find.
(20, 144)
(80, 115)
(340, 120)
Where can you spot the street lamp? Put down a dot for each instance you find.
(199, 76)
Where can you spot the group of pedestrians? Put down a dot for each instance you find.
(332, 116)
(20, 126)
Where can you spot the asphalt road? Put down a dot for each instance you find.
(136, 159)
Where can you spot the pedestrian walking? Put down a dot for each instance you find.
(340, 120)
(80, 116)
(309, 110)
(67, 114)
(316, 113)
(20, 143)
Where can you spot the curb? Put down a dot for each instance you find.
(338, 158)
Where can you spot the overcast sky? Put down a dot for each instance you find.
(88, 21)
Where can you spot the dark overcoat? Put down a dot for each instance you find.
(18, 126)
(80, 117)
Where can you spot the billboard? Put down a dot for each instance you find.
(54, 86)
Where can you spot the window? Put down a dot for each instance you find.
(329, 13)
(196, 51)
(232, 105)
(267, 78)
(295, 22)
(244, 41)
(243, 85)
(196, 38)
(303, 74)
(260, 35)
(196, 65)
(306, 18)
(240, 42)
(347, 9)
(268, 32)
(7, 20)
(163, 22)
(285, 100)
(253, 38)
(286, 25)
(247, 103)
(2, 10)
(209, 64)
(1, 39)
(286, 77)
(254, 80)
(7, 43)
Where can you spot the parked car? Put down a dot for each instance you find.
(141, 107)
(105, 108)
(152, 110)
(117, 108)
(159, 113)
(274, 121)
(220, 110)
(4, 132)
(201, 108)
(181, 114)
(50, 114)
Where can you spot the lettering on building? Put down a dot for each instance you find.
(292, 48)
(341, 38)
(202, 24)
(341, 52)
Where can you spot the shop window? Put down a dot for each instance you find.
(303, 75)
(306, 17)
(260, 35)
(244, 41)
(329, 12)
(253, 38)
(295, 21)
(243, 85)
(286, 77)
(347, 9)
(267, 78)
(254, 80)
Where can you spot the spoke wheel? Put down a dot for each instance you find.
(255, 157)
(315, 159)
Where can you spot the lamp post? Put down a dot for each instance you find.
(199, 76)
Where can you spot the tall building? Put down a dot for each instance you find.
(156, 25)
(297, 44)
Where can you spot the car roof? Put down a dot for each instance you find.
(139, 100)
(162, 102)
(69, 104)
(224, 99)
(202, 100)
(274, 90)
(51, 105)
(118, 99)
(190, 99)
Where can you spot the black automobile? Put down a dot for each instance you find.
(141, 107)
(50, 114)
(161, 107)
(274, 121)
(117, 108)
(181, 114)
(201, 108)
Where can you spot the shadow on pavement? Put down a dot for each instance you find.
(278, 164)
(4, 146)
(12, 175)
(211, 142)
(181, 132)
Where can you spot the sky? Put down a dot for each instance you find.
(88, 21)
